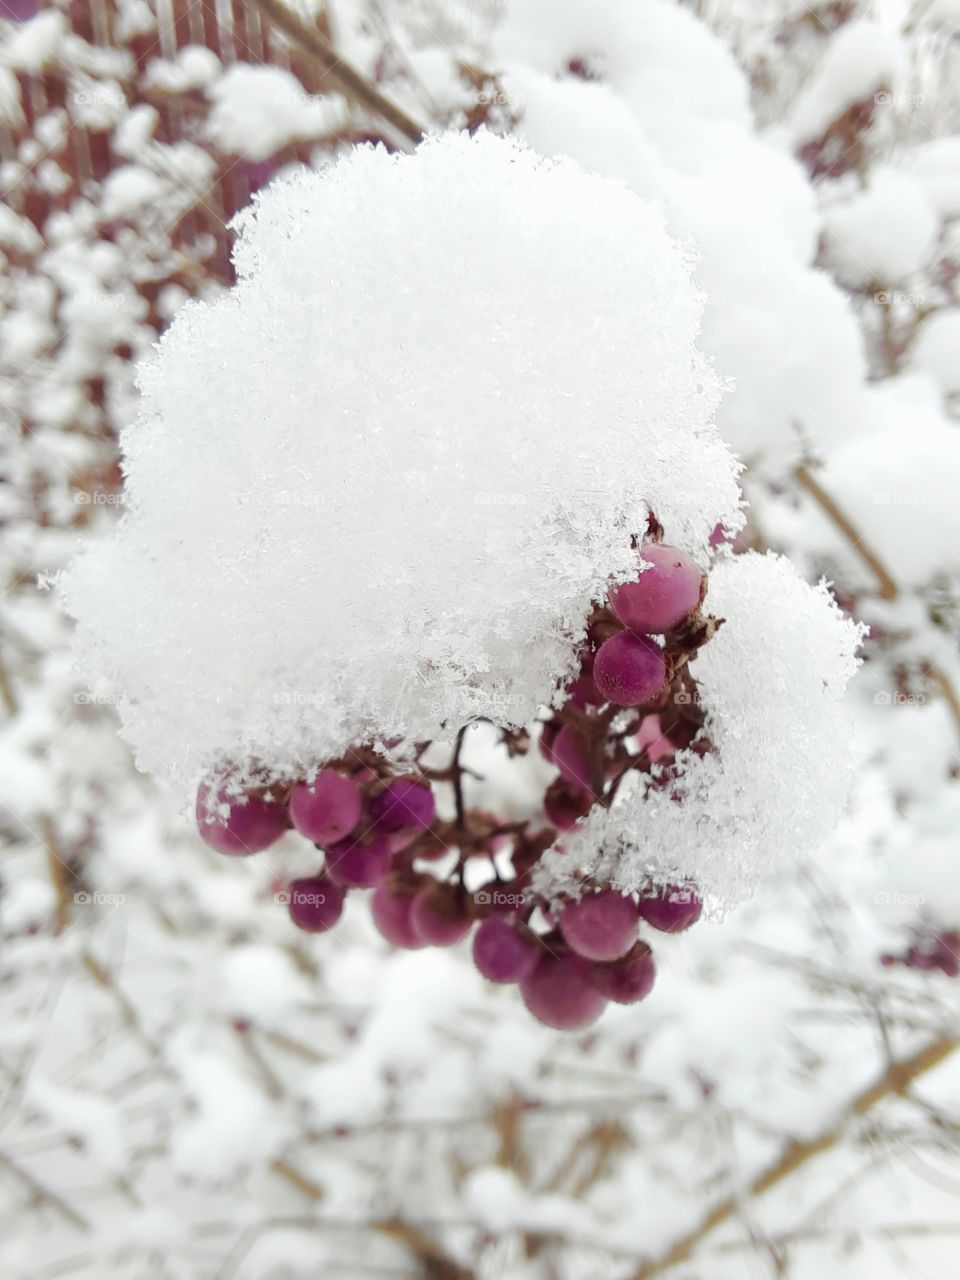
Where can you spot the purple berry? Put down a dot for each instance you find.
(663, 596)
(570, 757)
(601, 926)
(502, 953)
(671, 909)
(253, 822)
(437, 915)
(327, 809)
(315, 903)
(20, 10)
(629, 669)
(559, 992)
(358, 864)
(628, 979)
(391, 915)
(565, 805)
(405, 803)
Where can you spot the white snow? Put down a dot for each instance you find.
(536, 411)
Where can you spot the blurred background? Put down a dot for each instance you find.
(191, 1088)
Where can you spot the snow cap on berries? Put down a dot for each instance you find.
(375, 486)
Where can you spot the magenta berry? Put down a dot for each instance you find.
(627, 980)
(437, 915)
(405, 803)
(358, 863)
(559, 992)
(671, 909)
(315, 903)
(327, 809)
(629, 670)
(391, 914)
(601, 926)
(663, 596)
(570, 757)
(251, 822)
(502, 953)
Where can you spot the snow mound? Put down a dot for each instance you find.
(772, 682)
(374, 488)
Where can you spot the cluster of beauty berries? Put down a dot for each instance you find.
(631, 706)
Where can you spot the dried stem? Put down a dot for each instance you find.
(348, 79)
(887, 586)
(894, 1080)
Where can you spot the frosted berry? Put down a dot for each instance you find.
(663, 596)
(601, 926)
(405, 803)
(437, 915)
(651, 739)
(671, 909)
(327, 809)
(390, 910)
(502, 953)
(559, 992)
(358, 863)
(315, 903)
(628, 979)
(251, 823)
(629, 669)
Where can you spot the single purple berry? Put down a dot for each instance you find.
(358, 864)
(239, 825)
(629, 670)
(663, 596)
(570, 757)
(327, 809)
(315, 903)
(628, 979)
(559, 992)
(503, 953)
(438, 915)
(391, 914)
(600, 926)
(405, 803)
(671, 909)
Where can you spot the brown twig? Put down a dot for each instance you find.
(894, 1080)
(348, 79)
(59, 874)
(887, 586)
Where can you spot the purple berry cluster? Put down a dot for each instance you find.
(631, 706)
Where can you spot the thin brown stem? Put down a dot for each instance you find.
(344, 75)
(887, 586)
(895, 1080)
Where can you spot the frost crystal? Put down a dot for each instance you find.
(374, 488)
(772, 682)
